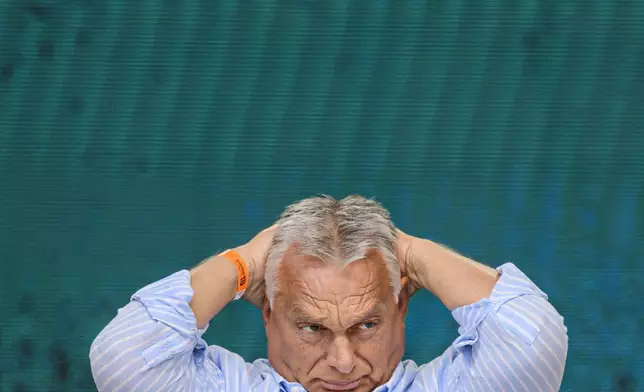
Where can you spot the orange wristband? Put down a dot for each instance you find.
(242, 271)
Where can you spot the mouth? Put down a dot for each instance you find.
(340, 385)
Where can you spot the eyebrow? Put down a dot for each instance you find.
(299, 313)
(303, 316)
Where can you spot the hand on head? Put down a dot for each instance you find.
(255, 253)
(405, 252)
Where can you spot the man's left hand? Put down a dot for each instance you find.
(405, 253)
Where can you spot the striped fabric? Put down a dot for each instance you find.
(512, 341)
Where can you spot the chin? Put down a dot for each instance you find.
(361, 385)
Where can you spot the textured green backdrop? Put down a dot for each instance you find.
(138, 137)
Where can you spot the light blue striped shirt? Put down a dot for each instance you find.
(512, 341)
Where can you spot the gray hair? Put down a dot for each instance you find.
(337, 232)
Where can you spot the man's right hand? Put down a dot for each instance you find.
(255, 253)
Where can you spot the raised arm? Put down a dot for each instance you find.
(511, 337)
(455, 279)
(154, 343)
(215, 280)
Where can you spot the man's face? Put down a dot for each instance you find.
(335, 328)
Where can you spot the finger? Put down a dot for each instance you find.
(413, 289)
(406, 284)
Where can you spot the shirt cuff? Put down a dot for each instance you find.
(168, 301)
(511, 284)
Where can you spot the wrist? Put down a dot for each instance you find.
(254, 292)
(241, 271)
(217, 267)
(250, 273)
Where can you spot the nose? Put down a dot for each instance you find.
(341, 356)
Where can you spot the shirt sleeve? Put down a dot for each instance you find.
(154, 344)
(514, 340)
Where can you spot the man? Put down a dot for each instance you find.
(333, 279)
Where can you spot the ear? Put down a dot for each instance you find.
(266, 311)
(403, 297)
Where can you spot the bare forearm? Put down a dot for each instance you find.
(215, 283)
(455, 279)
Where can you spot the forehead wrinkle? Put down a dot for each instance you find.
(310, 300)
(306, 299)
(306, 294)
(369, 288)
(300, 312)
(322, 304)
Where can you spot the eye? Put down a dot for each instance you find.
(368, 325)
(311, 328)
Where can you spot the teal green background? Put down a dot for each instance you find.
(138, 137)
